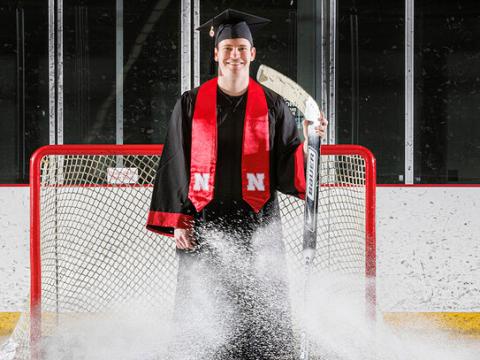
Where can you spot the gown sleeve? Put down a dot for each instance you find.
(289, 162)
(170, 207)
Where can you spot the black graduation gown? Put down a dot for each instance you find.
(234, 282)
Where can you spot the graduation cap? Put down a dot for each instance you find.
(232, 24)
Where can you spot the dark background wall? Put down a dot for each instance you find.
(370, 70)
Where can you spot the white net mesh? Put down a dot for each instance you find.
(96, 253)
(96, 250)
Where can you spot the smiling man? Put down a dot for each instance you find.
(231, 145)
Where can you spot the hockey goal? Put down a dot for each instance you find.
(90, 250)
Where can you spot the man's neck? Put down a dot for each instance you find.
(233, 86)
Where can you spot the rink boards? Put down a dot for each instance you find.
(410, 222)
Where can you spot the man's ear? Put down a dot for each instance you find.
(215, 54)
(253, 53)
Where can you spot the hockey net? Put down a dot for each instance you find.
(90, 250)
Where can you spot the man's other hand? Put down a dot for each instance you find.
(320, 127)
(184, 239)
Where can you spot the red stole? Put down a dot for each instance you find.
(255, 147)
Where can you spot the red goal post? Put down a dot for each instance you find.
(348, 177)
(35, 208)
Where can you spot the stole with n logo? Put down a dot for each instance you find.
(201, 182)
(255, 150)
(256, 182)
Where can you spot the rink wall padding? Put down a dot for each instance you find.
(466, 324)
(460, 324)
(8, 320)
(427, 245)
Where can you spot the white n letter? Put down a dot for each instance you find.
(201, 181)
(255, 182)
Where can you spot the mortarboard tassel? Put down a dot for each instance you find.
(212, 48)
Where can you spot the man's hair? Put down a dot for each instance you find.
(251, 45)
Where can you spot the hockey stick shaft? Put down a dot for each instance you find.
(294, 93)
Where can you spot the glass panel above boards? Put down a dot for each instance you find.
(447, 91)
(276, 43)
(144, 36)
(370, 82)
(151, 68)
(23, 86)
(289, 43)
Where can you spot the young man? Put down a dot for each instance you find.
(231, 145)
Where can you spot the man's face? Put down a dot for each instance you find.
(234, 56)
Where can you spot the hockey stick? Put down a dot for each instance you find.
(294, 93)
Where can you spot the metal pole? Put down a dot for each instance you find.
(318, 53)
(52, 99)
(324, 55)
(186, 46)
(59, 71)
(196, 43)
(20, 15)
(409, 90)
(355, 76)
(119, 74)
(332, 73)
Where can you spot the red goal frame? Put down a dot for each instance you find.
(35, 254)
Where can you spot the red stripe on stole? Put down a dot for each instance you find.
(204, 144)
(255, 148)
(165, 219)
(299, 180)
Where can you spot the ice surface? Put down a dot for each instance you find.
(333, 315)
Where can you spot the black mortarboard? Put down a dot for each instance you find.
(232, 24)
